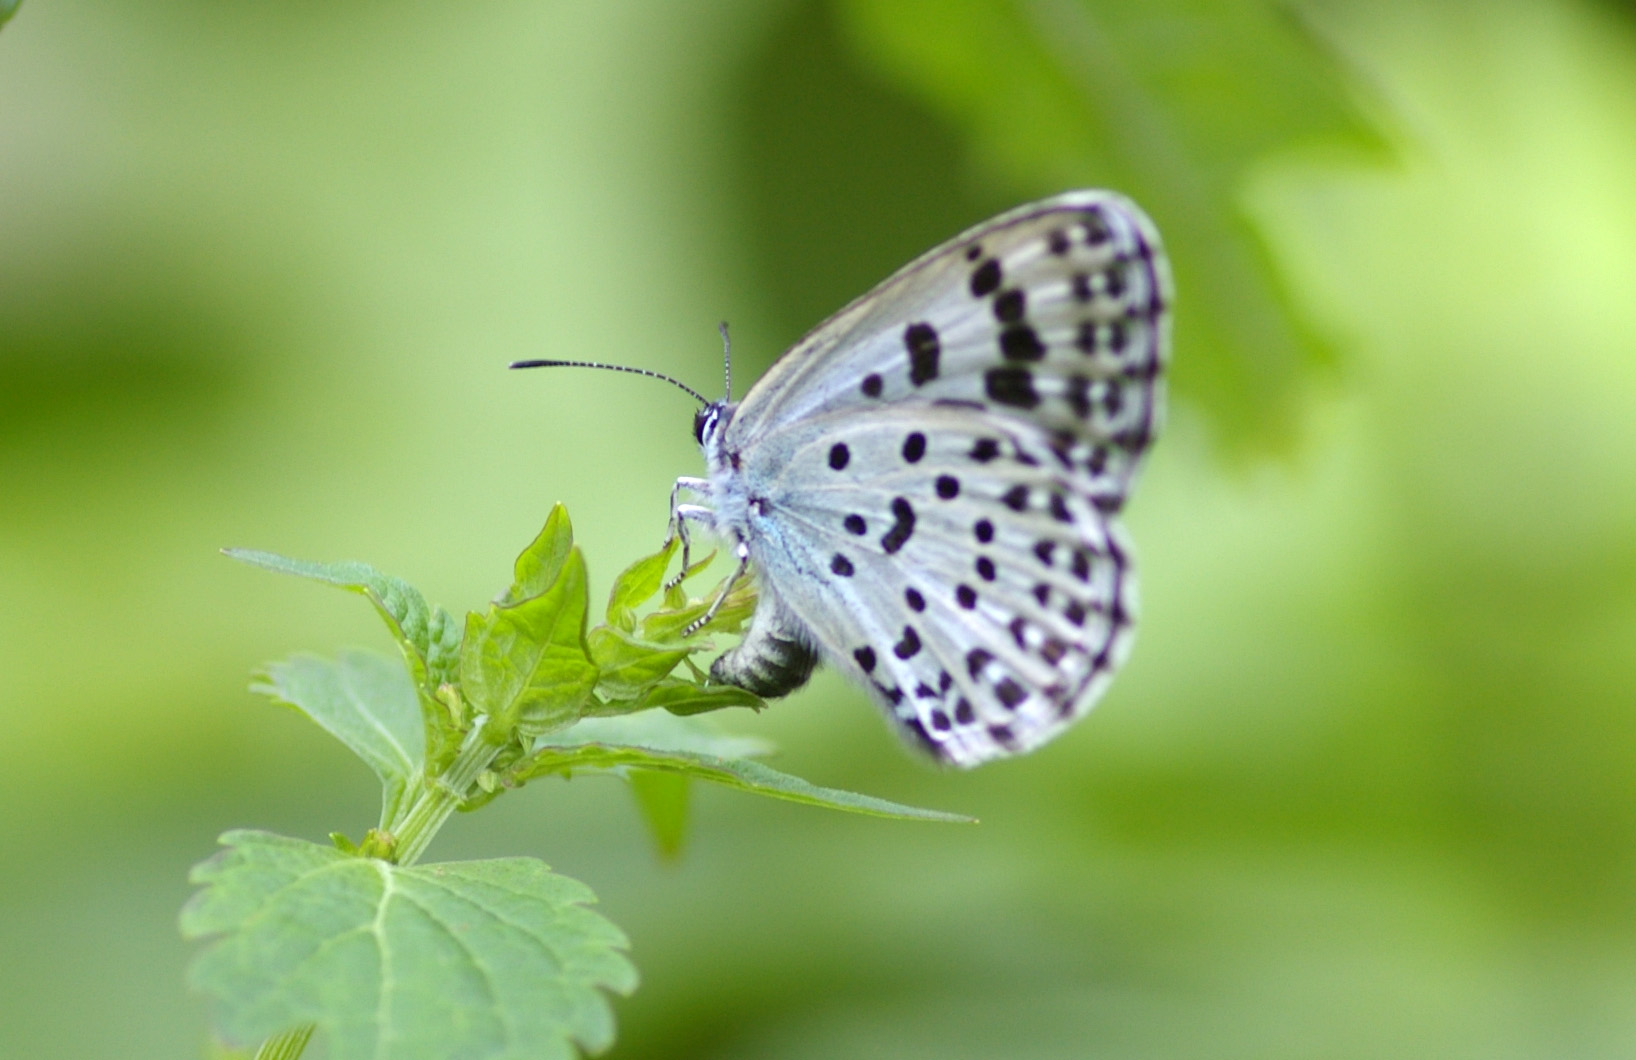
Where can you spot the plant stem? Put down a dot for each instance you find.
(444, 794)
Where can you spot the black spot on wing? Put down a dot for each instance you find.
(1011, 386)
(1009, 306)
(924, 352)
(977, 659)
(985, 278)
(1019, 342)
(1079, 395)
(904, 515)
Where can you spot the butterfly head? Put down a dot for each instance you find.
(710, 421)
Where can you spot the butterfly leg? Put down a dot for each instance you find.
(679, 514)
(743, 552)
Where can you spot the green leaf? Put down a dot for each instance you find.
(540, 564)
(524, 664)
(636, 656)
(369, 704)
(685, 698)
(629, 667)
(443, 636)
(663, 798)
(427, 637)
(637, 584)
(1174, 103)
(485, 960)
(667, 625)
(676, 595)
(8, 8)
(685, 747)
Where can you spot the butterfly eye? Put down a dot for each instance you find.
(701, 419)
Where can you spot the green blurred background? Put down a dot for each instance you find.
(1368, 786)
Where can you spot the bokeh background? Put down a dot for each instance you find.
(1368, 786)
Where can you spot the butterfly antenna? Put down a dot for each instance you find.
(700, 398)
(727, 357)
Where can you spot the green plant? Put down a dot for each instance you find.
(491, 959)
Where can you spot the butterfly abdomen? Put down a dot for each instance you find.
(774, 659)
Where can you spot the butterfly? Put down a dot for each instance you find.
(928, 486)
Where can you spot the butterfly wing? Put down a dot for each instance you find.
(932, 477)
(1055, 314)
(951, 564)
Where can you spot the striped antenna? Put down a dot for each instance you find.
(700, 398)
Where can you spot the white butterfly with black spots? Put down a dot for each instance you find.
(928, 486)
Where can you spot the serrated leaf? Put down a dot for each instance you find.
(629, 667)
(525, 665)
(539, 565)
(485, 960)
(571, 751)
(1173, 103)
(369, 704)
(663, 799)
(422, 633)
(637, 584)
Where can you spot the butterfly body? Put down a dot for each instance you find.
(928, 485)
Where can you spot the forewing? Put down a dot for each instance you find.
(1056, 314)
(951, 563)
